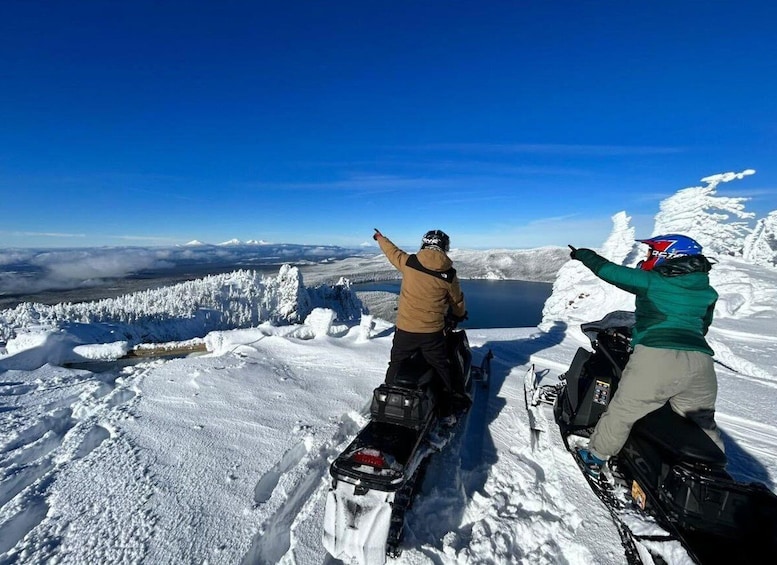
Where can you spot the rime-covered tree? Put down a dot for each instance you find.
(577, 289)
(761, 245)
(620, 246)
(191, 309)
(716, 222)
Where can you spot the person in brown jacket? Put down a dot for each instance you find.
(429, 289)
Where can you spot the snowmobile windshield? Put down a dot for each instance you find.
(617, 319)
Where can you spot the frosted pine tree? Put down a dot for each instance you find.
(292, 302)
(716, 222)
(191, 309)
(577, 289)
(340, 297)
(620, 247)
(761, 245)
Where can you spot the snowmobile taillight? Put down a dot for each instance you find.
(371, 457)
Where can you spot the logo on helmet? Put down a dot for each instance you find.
(436, 239)
(669, 246)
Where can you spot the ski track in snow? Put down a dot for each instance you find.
(514, 511)
(517, 499)
(79, 419)
(47, 456)
(291, 494)
(301, 472)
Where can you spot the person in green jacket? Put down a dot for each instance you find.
(671, 359)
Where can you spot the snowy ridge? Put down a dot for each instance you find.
(539, 265)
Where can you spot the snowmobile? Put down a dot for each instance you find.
(376, 477)
(670, 468)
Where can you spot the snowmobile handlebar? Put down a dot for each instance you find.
(451, 321)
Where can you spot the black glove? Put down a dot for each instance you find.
(459, 319)
(573, 253)
(377, 234)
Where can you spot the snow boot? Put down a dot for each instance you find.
(592, 465)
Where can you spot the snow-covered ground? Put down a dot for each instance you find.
(222, 457)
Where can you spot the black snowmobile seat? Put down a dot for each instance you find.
(670, 431)
(414, 372)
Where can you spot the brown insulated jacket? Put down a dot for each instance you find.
(424, 298)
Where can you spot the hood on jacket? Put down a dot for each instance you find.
(434, 259)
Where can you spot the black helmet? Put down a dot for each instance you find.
(436, 238)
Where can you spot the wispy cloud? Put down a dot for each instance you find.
(439, 176)
(32, 270)
(554, 231)
(62, 235)
(146, 238)
(41, 234)
(752, 193)
(165, 194)
(554, 149)
(363, 183)
(500, 169)
(552, 220)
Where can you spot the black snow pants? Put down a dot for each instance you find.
(433, 347)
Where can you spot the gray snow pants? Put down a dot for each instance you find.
(651, 377)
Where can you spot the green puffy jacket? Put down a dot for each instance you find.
(674, 302)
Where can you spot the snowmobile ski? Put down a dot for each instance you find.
(532, 396)
(621, 510)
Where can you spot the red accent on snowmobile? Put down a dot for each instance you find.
(370, 457)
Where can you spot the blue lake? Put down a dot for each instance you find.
(492, 304)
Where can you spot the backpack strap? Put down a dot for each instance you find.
(447, 276)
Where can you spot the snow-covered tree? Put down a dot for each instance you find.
(761, 245)
(339, 297)
(293, 303)
(191, 309)
(715, 222)
(579, 295)
(620, 246)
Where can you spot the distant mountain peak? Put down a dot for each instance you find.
(232, 242)
(193, 243)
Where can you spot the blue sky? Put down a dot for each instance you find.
(505, 123)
